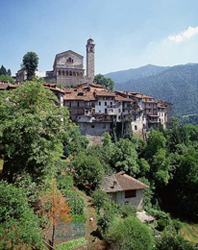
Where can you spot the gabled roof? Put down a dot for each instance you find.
(63, 53)
(121, 182)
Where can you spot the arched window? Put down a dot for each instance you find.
(135, 127)
(70, 73)
(70, 60)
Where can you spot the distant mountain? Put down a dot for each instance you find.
(126, 75)
(177, 84)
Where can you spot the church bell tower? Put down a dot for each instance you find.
(90, 58)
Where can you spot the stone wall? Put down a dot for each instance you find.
(95, 129)
(136, 202)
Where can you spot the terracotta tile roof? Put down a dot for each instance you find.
(121, 182)
(53, 88)
(105, 93)
(123, 99)
(79, 95)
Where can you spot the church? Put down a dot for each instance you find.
(68, 69)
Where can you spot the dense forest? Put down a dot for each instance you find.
(46, 163)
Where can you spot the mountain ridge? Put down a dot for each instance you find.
(176, 84)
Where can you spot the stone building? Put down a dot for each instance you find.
(124, 189)
(95, 109)
(68, 69)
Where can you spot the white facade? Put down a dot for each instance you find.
(137, 202)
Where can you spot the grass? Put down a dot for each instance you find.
(190, 232)
(70, 245)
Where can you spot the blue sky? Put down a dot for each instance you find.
(127, 33)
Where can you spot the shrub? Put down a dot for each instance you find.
(127, 210)
(99, 198)
(177, 224)
(173, 242)
(77, 205)
(160, 225)
(18, 224)
(104, 222)
(65, 182)
(129, 234)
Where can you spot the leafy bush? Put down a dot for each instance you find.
(99, 198)
(18, 224)
(129, 234)
(160, 225)
(173, 242)
(70, 245)
(105, 221)
(177, 224)
(65, 182)
(77, 205)
(160, 215)
(127, 210)
(88, 171)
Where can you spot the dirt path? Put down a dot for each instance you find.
(93, 242)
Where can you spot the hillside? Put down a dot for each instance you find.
(178, 84)
(126, 75)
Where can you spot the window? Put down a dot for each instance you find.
(111, 103)
(80, 94)
(130, 193)
(135, 127)
(70, 60)
(93, 126)
(105, 103)
(99, 103)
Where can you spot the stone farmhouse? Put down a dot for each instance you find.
(124, 189)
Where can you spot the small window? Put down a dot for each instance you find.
(99, 104)
(105, 103)
(80, 94)
(93, 126)
(130, 193)
(70, 60)
(135, 127)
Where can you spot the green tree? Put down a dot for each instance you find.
(30, 125)
(155, 142)
(6, 78)
(88, 171)
(18, 224)
(125, 157)
(106, 82)
(129, 234)
(3, 71)
(9, 73)
(30, 64)
(99, 198)
(173, 242)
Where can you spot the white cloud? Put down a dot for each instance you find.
(186, 34)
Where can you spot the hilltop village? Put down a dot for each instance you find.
(93, 107)
(125, 178)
